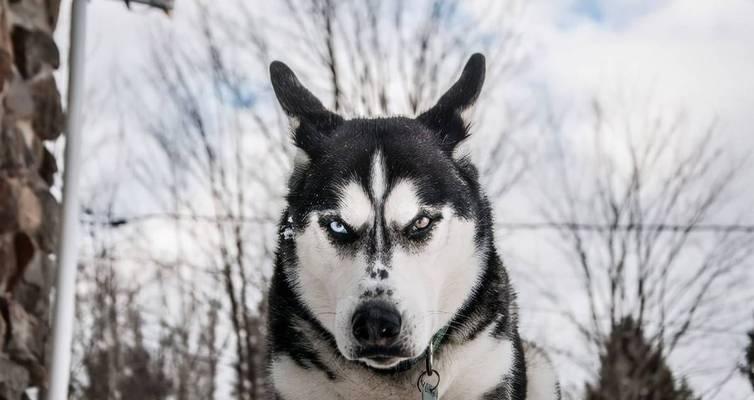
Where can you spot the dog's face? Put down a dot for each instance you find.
(385, 220)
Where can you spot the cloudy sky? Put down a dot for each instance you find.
(695, 56)
(692, 53)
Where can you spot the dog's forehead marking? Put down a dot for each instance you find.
(354, 205)
(398, 204)
(378, 183)
(402, 203)
(378, 178)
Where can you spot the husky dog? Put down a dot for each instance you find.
(387, 258)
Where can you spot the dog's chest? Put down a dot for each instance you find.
(293, 383)
(468, 372)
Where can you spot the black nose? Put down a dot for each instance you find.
(376, 324)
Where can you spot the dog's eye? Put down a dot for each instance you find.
(422, 222)
(420, 227)
(338, 227)
(339, 230)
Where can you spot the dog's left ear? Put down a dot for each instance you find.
(445, 118)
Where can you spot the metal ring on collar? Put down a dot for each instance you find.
(421, 379)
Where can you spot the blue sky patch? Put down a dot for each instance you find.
(591, 9)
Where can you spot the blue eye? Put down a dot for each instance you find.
(338, 227)
(338, 230)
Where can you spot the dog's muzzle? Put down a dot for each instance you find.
(376, 327)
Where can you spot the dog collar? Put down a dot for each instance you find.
(438, 337)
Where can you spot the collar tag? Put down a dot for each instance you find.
(424, 383)
(429, 392)
(429, 380)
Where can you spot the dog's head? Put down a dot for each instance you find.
(385, 219)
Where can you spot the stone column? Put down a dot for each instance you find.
(30, 117)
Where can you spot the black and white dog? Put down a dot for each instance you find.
(387, 254)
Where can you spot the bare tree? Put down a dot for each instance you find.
(141, 332)
(113, 354)
(639, 215)
(127, 346)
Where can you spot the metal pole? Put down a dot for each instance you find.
(65, 286)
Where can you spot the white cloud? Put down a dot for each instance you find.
(696, 54)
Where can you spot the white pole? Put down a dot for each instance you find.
(65, 285)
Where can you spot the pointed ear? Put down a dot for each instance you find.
(445, 118)
(310, 121)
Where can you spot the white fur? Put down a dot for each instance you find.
(293, 123)
(300, 159)
(428, 285)
(467, 372)
(467, 114)
(463, 149)
(378, 187)
(378, 178)
(319, 273)
(354, 207)
(402, 204)
(434, 282)
(541, 380)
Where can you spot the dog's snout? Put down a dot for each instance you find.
(376, 324)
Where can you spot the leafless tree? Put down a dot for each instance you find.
(639, 213)
(141, 332)
(113, 358)
(127, 346)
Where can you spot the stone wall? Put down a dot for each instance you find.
(30, 116)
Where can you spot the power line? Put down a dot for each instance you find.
(571, 226)
(115, 222)
(120, 221)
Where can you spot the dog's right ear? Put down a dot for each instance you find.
(310, 121)
(446, 117)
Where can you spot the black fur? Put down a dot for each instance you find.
(420, 149)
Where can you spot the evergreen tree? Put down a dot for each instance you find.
(632, 369)
(748, 366)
